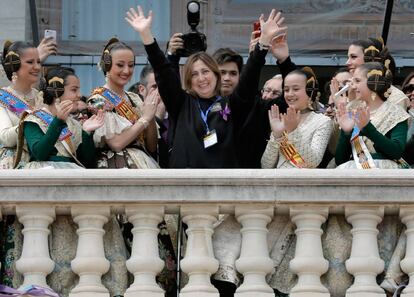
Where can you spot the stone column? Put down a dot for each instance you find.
(145, 262)
(364, 263)
(90, 262)
(309, 263)
(254, 262)
(35, 263)
(199, 262)
(407, 264)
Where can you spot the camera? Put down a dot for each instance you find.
(194, 41)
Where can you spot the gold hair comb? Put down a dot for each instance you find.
(374, 72)
(56, 79)
(12, 53)
(371, 48)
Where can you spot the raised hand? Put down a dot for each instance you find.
(272, 27)
(46, 48)
(275, 121)
(344, 118)
(176, 42)
(150, 104)
(291, 119)
(94, 122)
(63, 109)
(363, 117)
(279, 47)
(140, 23)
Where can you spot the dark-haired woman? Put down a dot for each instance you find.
(374, 50)
(54, 139)
(129, 134)
(21, 63)
(299, 137)
(378, 131)
(205, 123)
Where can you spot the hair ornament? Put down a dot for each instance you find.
(374, 72)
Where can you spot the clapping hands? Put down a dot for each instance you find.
(94, 122)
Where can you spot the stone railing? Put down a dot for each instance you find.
(254, 196)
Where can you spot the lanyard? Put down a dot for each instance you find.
(204, 115)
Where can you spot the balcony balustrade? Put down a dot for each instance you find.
(254, 197)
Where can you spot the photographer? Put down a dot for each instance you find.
(205, 122)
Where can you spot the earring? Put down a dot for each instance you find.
(14, 77)
(107, 77)
(387, 93)
(310, 105)
(373, 96)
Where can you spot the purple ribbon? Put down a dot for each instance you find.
(31, 290)
(225, 113)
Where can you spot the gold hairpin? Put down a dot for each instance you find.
(371, 48)
(374, 72)
(56, 79)
(12, 53)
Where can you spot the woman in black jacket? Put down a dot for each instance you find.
(205, 123)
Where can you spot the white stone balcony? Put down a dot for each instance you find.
(255, 197)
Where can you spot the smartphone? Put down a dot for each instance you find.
(256, 27)
(50, 33)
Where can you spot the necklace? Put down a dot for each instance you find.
(29, 97)
(119, 95)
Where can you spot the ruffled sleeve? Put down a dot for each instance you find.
(114, 124)
(8, 129)
(271, 154)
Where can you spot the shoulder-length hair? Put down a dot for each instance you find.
(210, 63)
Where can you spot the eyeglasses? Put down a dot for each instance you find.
(274, 93)
(408, 89)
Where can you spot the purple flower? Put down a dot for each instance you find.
(225, 112)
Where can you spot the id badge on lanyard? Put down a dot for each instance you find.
(210, 138)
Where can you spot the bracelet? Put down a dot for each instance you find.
(263, 47)
(144, 122)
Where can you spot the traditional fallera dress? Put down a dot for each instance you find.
(309, 141)
(12, 106)
(120, 114)
(117, 119)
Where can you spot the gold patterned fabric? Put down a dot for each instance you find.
(8, 129)
(132, 156)
(310, 139)
(386, 117)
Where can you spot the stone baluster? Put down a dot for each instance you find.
(407, 264)
(35, 263)
(309, 263)
(199, 262)
(90, 262)
(364, 263)
(145, 262)
(254, 262)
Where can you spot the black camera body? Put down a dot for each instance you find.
(194, 42)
